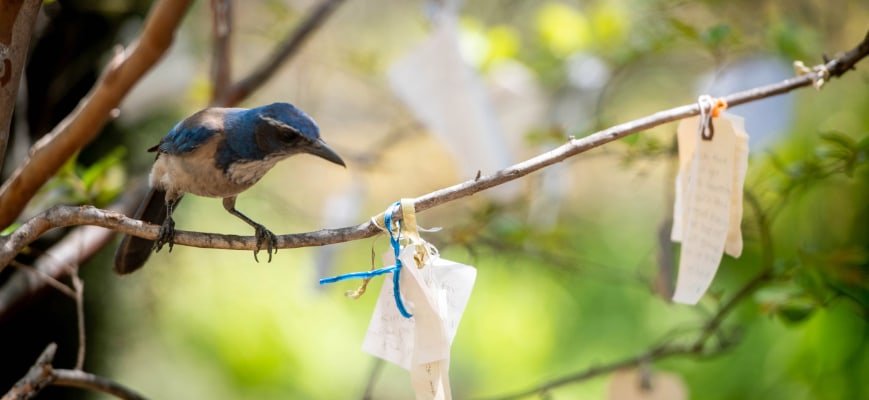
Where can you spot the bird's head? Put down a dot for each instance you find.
(283, 128)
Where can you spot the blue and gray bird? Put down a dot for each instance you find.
(219, 152)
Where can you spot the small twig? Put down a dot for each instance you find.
(42, 374)
(96, 383)
(78, 284)
(372, 379)
(49, 280)
(37, 378)
(289, 47)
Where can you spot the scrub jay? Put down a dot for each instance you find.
(219, 152)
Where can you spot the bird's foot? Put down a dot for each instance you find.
(265, 236)
(166, 235)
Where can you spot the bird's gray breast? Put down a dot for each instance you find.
(249, 172)
(197, 173)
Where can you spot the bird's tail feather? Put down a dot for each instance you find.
(134, 251)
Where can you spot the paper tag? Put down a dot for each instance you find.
(436, 296)
(431, 380)
(629, 384)
(434, 81)
(708, 208)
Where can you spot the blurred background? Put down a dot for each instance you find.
(575, 266)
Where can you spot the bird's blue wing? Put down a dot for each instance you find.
(187, 136)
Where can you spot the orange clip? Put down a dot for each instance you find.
(719, 107)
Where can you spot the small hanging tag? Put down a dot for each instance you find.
(441, 291)
(733, 245)
(708, 208)
(418, 311)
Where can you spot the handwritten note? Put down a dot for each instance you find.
(708, 208)
(436, 295)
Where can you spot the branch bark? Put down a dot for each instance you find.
(42, 374)
(67, 254)
(61, 216)
(17, 18)
(85, 122)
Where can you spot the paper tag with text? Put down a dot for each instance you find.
(436, 295)
(708, 209)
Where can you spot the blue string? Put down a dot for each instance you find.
(394, 242)
(359, 275)
(396, 249)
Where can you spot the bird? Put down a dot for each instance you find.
(219, 152)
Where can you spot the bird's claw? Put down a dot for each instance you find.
(266, 236)
(166, 235)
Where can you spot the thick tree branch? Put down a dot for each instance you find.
(17, 18)
(288, 47)
(61, 216)
(85, 122)
(42, 374)
(68, 253)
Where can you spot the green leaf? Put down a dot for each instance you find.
(795, 311)
(717, 35)
(101, 166)
(840, 139)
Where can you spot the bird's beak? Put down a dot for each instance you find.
(320, 149)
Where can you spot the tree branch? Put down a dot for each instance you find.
(42, 374)
(289, 47)
(70, 252)
(17, 18)
(96, 383)
(84, 123)
(61, 216)
(221, 63)
(656, 353)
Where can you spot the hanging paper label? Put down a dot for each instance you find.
(708, 208)
(436, 295)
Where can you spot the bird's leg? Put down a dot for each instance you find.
(262, 234)
(167, 230)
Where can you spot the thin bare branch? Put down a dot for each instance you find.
(84, 123)
(49, 280)
(88, 381)
(78, 284)
(17, 18)
(42, 374)
(288, 47)
(60, 216)
(657, 353)
(36, 379)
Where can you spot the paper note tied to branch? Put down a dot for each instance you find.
(708, 209)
